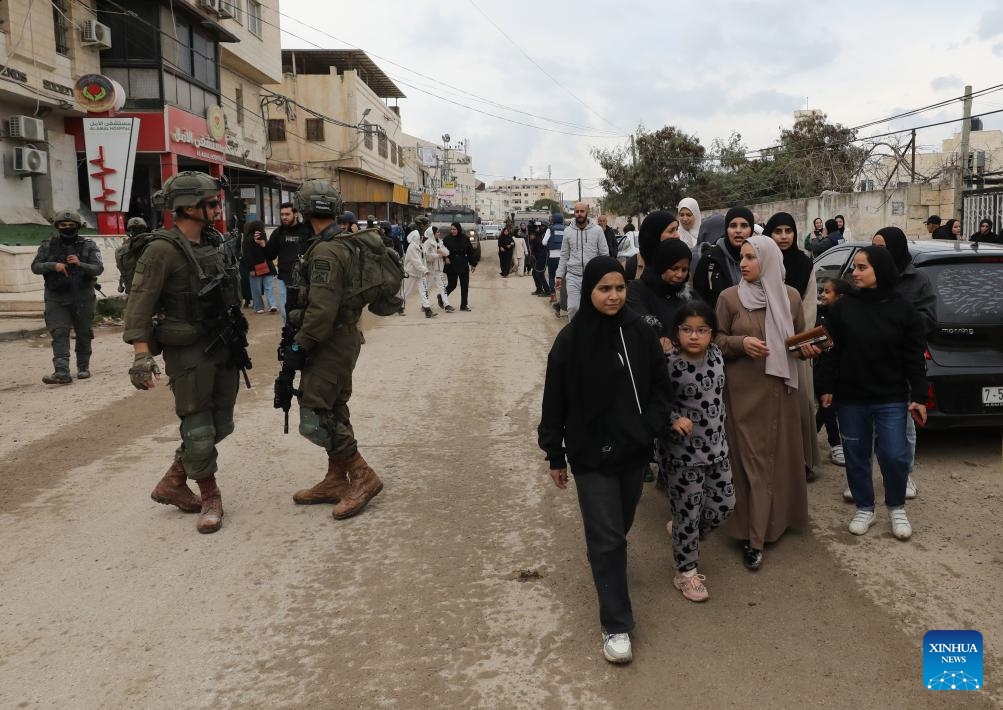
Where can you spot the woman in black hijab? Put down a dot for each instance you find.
(799, 274)
(662, 288)
(718, 268)
(606, 398)
(985, 233)
(875, 375)
(913, 285)
(506, 245)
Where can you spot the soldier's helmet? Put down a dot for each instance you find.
(317, 198)
(188, 189)
(68, 216)
(422, 221)
(136, 224)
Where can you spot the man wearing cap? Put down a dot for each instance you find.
(70, 265)
(348, 222)
(936, 231)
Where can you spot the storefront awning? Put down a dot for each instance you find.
(360, 188)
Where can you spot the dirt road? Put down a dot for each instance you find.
(110, 600)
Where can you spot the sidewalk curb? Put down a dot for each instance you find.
(23, 334)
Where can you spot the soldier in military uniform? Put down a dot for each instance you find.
(183, 285)
(136, 225)
(70, 265)
(326, 347)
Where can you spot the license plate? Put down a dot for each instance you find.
(992, 396)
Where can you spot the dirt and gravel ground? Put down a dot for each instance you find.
(110, 600)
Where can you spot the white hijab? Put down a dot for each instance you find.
(690, 235)
(771, 293)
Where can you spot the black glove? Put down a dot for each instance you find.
(294, 357)
(284, 390)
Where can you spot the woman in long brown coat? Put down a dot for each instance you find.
(761, 396)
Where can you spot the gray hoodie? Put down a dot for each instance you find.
(579, 247)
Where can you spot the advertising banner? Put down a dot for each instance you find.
(110, 144)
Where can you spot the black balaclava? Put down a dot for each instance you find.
(884, 269)
(897, 245)
(651, 232)
(595, 360)
(69, 234)
(666, 255)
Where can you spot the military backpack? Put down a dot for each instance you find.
(376, 272)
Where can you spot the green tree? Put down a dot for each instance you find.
(658, 171)
(815, 155)
(548, 204)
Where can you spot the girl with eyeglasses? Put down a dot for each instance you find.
(696, 452)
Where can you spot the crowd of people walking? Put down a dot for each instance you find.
(708, 355)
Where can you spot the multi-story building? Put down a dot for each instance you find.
(525, 192)
(330, 118)
(192, 72)
(492, 206)
(44, 47)
(454, 180)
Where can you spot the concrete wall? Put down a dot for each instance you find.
(866, 212)
(16, 275)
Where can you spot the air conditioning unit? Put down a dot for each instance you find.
(30, 161)
(227, 9)
(212, 6)
(26, 128)
(95, 34)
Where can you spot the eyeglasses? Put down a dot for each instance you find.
(701, 331)
(212, 203)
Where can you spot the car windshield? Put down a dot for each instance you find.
(968, 293)
(450, 217)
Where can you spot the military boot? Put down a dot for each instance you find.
(83, 369)
(58, 378)
(333, 488)
(365, 485)
(173, 490)
(211, 517)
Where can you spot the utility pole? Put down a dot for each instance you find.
(913, 168)
(966, 132)
(579, 189)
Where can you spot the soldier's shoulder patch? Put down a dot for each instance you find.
(320, 271)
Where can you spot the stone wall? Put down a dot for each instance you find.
(15, 267)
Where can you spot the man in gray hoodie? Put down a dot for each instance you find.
(583, 241)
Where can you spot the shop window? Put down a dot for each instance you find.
(61, 25)
(254, 17)
(276, 129)
(315, 129)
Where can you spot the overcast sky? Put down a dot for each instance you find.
(706, 67)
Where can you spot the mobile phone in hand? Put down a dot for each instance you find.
(916, 417)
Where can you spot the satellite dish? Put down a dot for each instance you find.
(445, 138)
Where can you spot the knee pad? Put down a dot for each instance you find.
(223, 431)
(313, 429)
(200, 441)
(59, 333)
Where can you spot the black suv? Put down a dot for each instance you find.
(965, 351)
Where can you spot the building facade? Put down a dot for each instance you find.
(42, 52)
(330, 118)
(451, 167)
(525, 192)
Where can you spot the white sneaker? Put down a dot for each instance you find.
(836, 455)
(616, 648)
(910, 488)
(862, 522)
(900, 524)
(848, 495)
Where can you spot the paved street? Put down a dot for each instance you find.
(465, 583)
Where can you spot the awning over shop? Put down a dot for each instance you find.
(359, 188)
(400, 195)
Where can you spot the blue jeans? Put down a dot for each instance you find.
(880, 428)
(261, 286)
(281, 299)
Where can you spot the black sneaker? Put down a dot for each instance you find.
(752, 558)
(449, 309)
(465, 308)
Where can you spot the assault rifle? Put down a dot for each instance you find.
(232, 327)
(285, 383)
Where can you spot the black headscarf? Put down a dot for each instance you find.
(745, 212)
(596, 338)
(797, 265)
(884, 269)
(651, 232)
(666, 254)
(897, 245)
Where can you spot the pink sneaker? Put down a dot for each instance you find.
(691, 585)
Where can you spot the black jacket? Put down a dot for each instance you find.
(915, 287)
(287, 244)
(713, 274)
(657, 311)
(621, 437)
(462, 254)
(877, 356)
(611, 240)
(255, 254)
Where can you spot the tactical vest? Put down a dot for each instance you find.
(349, 310)
(58, 249)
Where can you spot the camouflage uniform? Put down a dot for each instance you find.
(69, 298)
(201, 376)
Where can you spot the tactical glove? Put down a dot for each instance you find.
(143, 371)
(294, 357)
